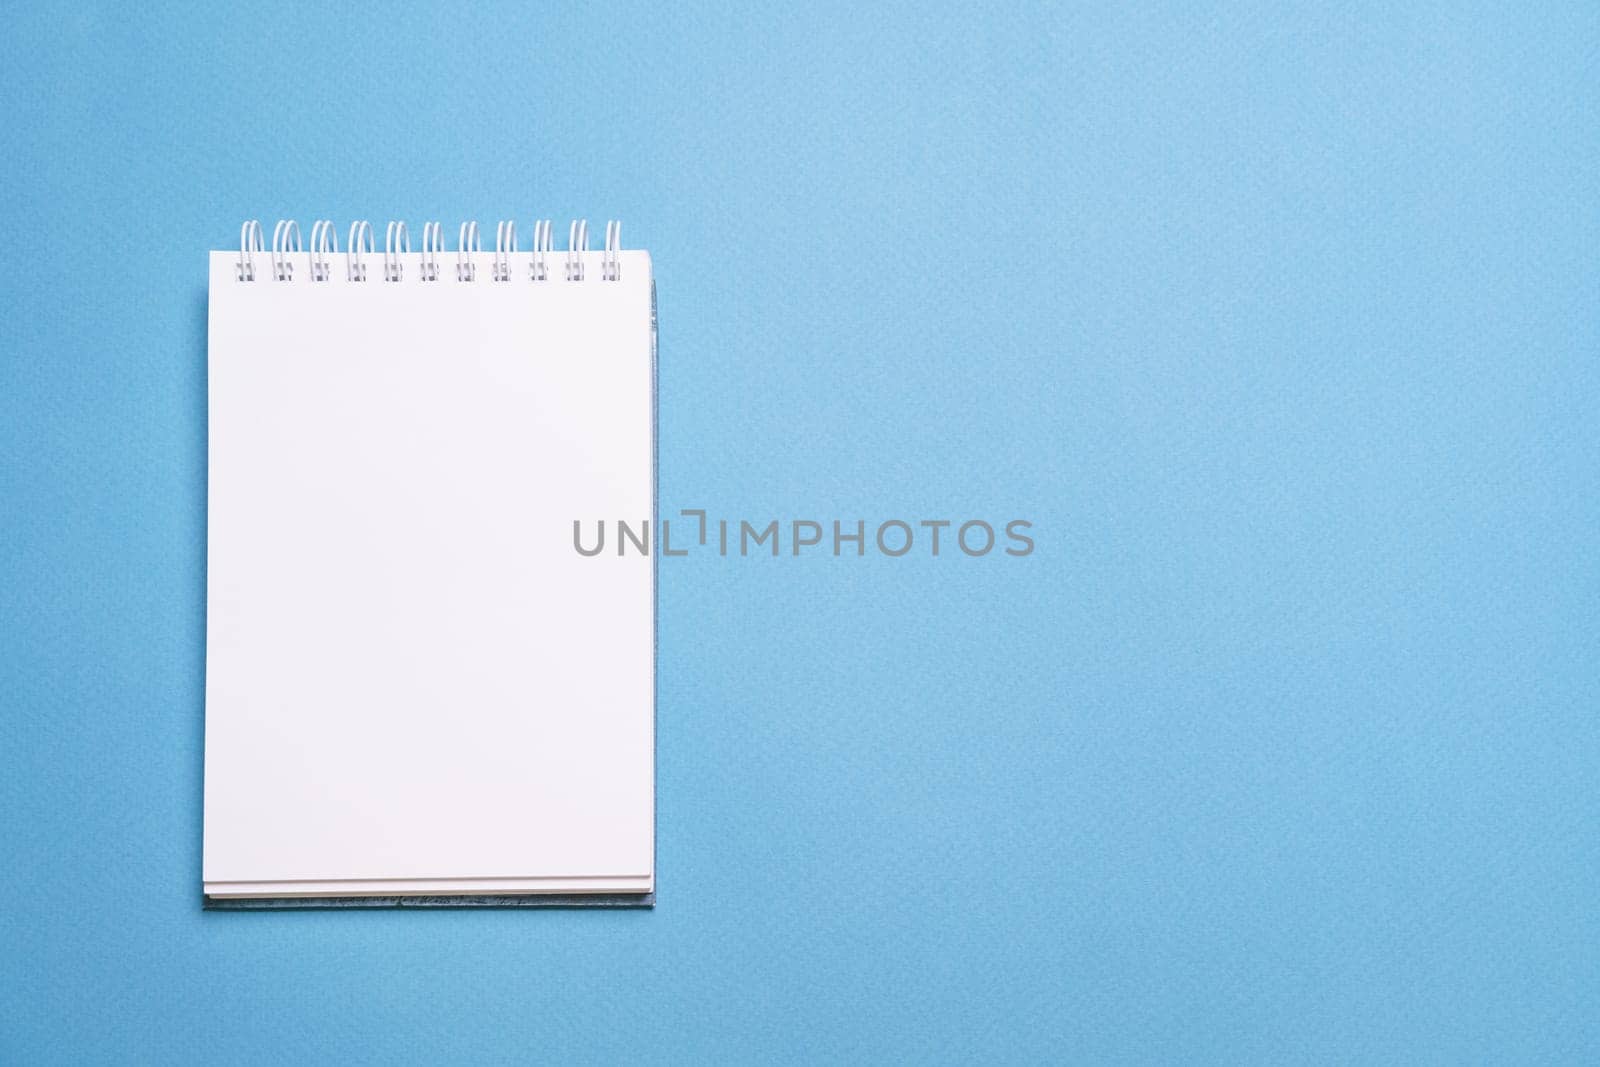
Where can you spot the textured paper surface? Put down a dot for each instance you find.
(1280, 320)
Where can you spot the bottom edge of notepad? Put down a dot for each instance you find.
(459, 900)
(431, 892)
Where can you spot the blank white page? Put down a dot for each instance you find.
(414, 682)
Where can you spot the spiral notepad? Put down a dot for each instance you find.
(417, 691)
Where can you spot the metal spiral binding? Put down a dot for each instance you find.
(324, 243)
(249, 245)
(396, 242)
(432, 245)
(282, 265)
(577, 244)
(505, 243)
(611, 259)
(538, 268)
(355, 269)
(467, 244)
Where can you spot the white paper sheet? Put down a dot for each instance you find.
(414, 683)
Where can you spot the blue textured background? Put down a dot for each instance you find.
(1280, 324)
